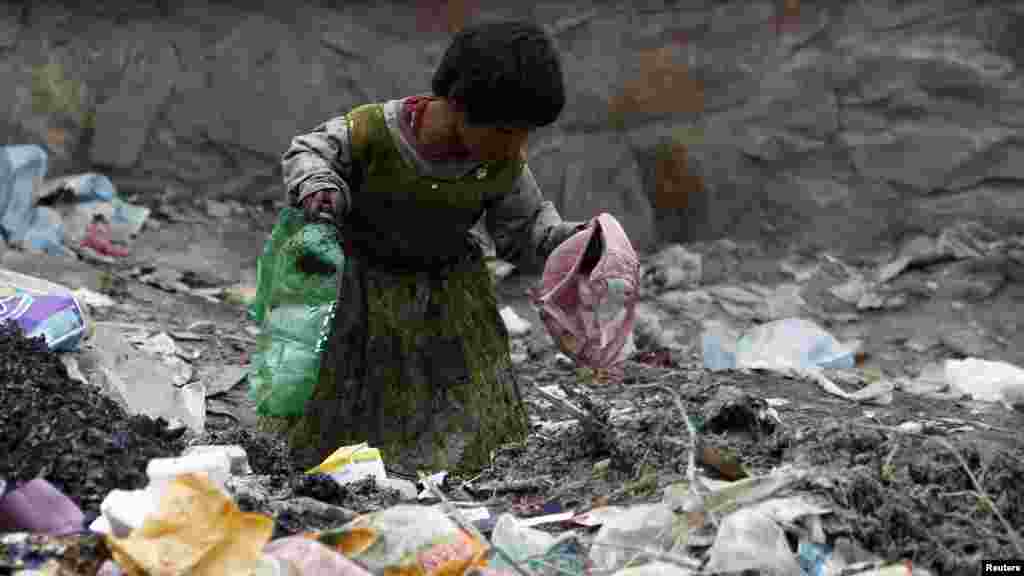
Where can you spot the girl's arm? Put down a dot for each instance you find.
(320, 160)
(525, 227)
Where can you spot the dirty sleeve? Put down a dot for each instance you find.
(319, 160)
(525, 227)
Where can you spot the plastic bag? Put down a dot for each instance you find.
(196, 530)
(641, 527)
(591, 317)
(542, 553)
(297, 288)
(44, 309)
(519, 542)
(286, 364)
(311, 558)
(408, 539)
(986, 380)
(39, 507)
(750, 540)
(22, 169)
(789, 342)
(718, 346)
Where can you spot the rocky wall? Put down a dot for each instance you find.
(844, 125)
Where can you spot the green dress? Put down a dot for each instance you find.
(417, 361)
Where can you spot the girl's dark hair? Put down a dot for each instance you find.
(503, 73)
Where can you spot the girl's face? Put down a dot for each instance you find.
(491, 143)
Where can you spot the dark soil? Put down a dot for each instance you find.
(268, 455)
(70, 434)
(362, 497)
(912, 497)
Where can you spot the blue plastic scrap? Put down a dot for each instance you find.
(22, 222)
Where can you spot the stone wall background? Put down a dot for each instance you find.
(838, 125)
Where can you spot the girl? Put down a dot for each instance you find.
(417, 362)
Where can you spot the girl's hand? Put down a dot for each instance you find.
(321, 204)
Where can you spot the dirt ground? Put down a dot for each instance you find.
(903, 494)
(934, 481)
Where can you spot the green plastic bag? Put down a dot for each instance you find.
(296, 292)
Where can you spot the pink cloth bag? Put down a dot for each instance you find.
(591, 316)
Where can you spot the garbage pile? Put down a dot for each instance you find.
(186, 521)
(76, 437)
(639, 479)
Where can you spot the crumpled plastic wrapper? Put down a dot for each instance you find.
(308, 556)
(197, 530)
(408, 540)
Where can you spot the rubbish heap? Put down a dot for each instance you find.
(165, 508)
(86, 488)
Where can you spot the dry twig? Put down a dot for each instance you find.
(982, 495)
(566, 406)
(691, 466)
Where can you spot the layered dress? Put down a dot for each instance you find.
(417, 359)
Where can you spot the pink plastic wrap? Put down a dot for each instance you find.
(39, 507)
(310, 557)
(591, 316)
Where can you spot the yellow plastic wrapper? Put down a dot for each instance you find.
(408, 540)
(196, 530)
(352, 463)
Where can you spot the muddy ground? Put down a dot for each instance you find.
(931, 491)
